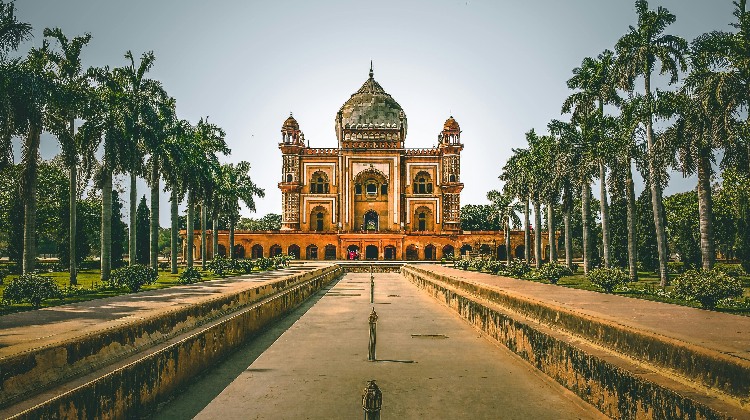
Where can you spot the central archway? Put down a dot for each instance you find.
(371, 221)
(371, 252)
(352, 252)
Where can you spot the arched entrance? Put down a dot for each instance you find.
(222, 250)
(352, 252)
(275, 250)
(293, 250)
(257, 251)
(330, 252)
(520, 251)
(389, 252)
(465, 249)
(412, 254)
(485, 249)
(448, 251)
(429, 252)
(371, 221)
(502, 255)
(311, 253)
(371, 252)
(239, 251)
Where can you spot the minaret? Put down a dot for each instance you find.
(292, 146)
(449, 143)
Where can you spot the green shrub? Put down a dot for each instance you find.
(462, 264)
(220, 266)
(133, 277)
(3, 275)
(264, 263)
(517, 268)
(732, 270)
(574, 267)
(707, 287)
(478, 264)
(163, 266)
(495, 266)
(552, 272)
(676, 267)
(607, 279)
(189, 276)
(31, 288)
(246, 266)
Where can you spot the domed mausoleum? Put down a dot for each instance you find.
(371, 196)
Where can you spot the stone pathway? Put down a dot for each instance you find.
(430, 364)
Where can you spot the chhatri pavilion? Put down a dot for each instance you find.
(371, 195)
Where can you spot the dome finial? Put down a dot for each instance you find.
(371, 72)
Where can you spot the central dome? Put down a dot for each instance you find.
(371, 107)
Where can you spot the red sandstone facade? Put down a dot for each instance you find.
(370, 194)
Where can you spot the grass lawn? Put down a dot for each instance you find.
(90, 281)
(647, 287)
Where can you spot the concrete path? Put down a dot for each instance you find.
(430, 365)
(726, 333)
(28, 330)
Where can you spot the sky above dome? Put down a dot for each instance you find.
(499, 67)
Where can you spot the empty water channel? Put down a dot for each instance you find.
(429, 363)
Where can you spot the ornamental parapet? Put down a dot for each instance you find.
(327, 151)
(422, 152)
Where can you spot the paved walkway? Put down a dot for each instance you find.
(726, 333)
(430, 364)
(27, 330)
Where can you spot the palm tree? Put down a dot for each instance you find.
(638, 52)
(595, 81)
(68, 104)
(507, 212)
(236, 185)
(200, 169)
(174, 165)
(159, 123)
(12, 33)
(140, 94)
(517, 179)
(628, 128)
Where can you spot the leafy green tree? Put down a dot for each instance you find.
(507, 213)
(143, 233)
(684, 234)
(271, 221)
(119, 232)
(638, 52)
(235, 186)
(477, 217)
(648, 250)
(517, 179)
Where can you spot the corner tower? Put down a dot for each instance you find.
(449, 141)
(291, 146)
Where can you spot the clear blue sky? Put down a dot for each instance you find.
(499, 67)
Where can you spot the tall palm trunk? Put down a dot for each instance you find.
(30, 163)
(174, 239)
(215, 236)
(585, 219)
(604, 207)
(551, 232)
(73, 196)
(656, 193)
(508, 254)
(204, 221)
(632, 240)
(133, 200)
(537, 234)
(154, 254)
(189, 233)
(527, 232)
(567, 206)
(705, 209)
(231, 237)
(105, 255)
